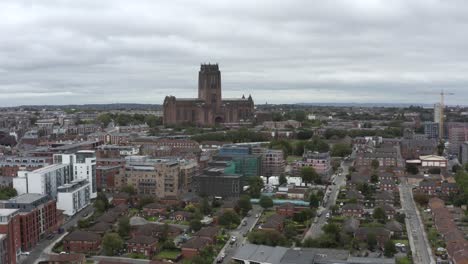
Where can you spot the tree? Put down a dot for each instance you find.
(331, 229)
(412, 168)
(99, 206)
(268, 238)
(244, 205)
(290, 231)
(309, 175)
(101, 196)
(341, 150)
(389, 249)
(434, 171)
(255, 186)
(440, 148)
(144, 201)
(128, 189)
(375, 164)
(455, 168)
(164, 234)
(195, 225)
(421, 199)
(83, 223)
(371, 241)
(266, 202)
(124, 226)
(374, 178)
(282, 179)
(7, 193)
(229, 219)
(111, 243)
(205, 207)
(314, 200)
(379, 214)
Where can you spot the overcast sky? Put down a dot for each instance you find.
(111, 51)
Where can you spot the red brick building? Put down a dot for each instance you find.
(352, 210)
(146, 245)
(81, 242)
(37, 215)
(193, 246)
(289, 209)
(11, 242)
(154, 209)
(106, 175)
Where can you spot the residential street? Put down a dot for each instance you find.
(420, 246)
(315, 229)
(39, 252)
(229, 250)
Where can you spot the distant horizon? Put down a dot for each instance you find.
(305, 104)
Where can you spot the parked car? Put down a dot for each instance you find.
(26, 253)
(50, 236)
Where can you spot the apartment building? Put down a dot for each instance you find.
(37, 214)
(156, 177)
(74, 196)
(10, 235)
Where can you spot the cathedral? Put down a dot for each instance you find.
(209, 108)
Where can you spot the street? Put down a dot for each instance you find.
(315, 229)
(229, 250)
(420, 246)
(39, 252)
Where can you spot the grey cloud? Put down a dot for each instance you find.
(54, 51)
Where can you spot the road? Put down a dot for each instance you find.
(39, 252)
(228, 249)
(420, 246)
(315, 229)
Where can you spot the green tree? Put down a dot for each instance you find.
(314, 200)
(104, 119)
(389, 249)
(374, 178)
(83, 223)
(421, 199)
(124, 226)
(7, 193)
(229, 219)
(440, 148)
(412, 168)
(128, 189)
(268, 238)
(164, 234)
(244, 205)
(290, 231)
(309, 175)
(266, 202)
(255, 186)
(101, 196)
(375, 164)
(100, 206)
(341, 150)
(371, 241)
(205, 207)
(282, 179)
(112, 243)
(144, 201)
(379, 214)
(195, 225)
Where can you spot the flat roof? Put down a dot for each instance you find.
(50, 168)
(26, 198)
(7, 212)
(260, 253)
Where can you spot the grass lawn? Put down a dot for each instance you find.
(402, 241)
(152, 218)
(168, 254)
(293, 158)
(403, 260)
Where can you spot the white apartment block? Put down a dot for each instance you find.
(83, 164)
(73, 196)
(44, 180)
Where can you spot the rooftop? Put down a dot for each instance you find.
(27, 198)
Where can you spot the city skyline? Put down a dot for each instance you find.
(279, 52)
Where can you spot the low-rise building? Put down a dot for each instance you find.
(145, 245)
(10, 235)
(80, 241)
(352, 210)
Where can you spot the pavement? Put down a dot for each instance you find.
(44, 247)
(315, 229)
(230, 250)
(420, 246)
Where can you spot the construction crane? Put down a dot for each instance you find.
(441, 112)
